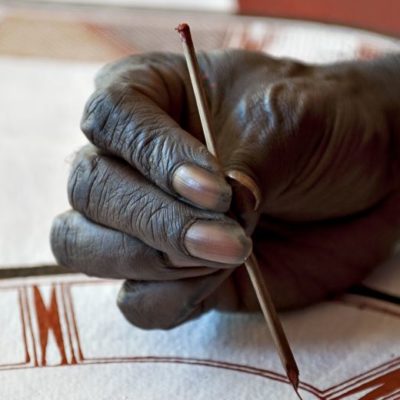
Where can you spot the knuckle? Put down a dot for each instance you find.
(151, 148)
(72, 245)
(106, 115)
(284, 104)
(277, 104)
(63, 239)
(160, 222)
(82, 181)
(90, 119)
(120, 120)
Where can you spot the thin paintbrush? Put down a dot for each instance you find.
(253, 269)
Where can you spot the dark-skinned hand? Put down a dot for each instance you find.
(149, 201)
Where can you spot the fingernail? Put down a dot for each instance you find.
(219, 242)
(202, 188)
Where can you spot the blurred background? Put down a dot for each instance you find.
(51, 50)
(94, 30)
(379, 15)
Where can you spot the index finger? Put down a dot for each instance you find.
(129, 116)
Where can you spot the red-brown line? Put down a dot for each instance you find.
(205, 362)
(48, 319)
(390, 397)
(22, 313)
(67, 323)
(386, 366)
(361, 377)
(35, 360)
(351, 381)
(383, 384)
(74, 324)
(196, 362)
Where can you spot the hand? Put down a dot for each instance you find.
(149, 200)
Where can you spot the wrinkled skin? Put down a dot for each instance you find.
(322, 143)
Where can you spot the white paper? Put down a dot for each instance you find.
(344, 348)
(41, 102)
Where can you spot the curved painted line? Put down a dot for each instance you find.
(263, 373)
